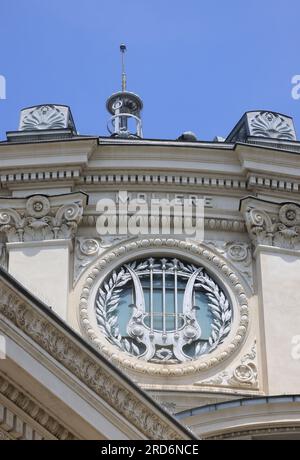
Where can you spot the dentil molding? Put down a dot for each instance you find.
(32, 409)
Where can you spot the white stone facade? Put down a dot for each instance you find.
(49, 243)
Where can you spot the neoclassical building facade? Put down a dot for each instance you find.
(154, 334)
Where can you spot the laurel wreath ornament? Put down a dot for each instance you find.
(219, 308)
(109, 294)
(107, 304)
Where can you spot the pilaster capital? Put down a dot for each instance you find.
(41, 217)
(272, 223)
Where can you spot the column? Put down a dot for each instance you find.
(275, 232)
(39, 231)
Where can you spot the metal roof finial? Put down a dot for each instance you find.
(125, 108)
(123, 49)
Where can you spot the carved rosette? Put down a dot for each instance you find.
(272, 224)
(243, 375)
(88, 249)
(41, 218)
(237, 253)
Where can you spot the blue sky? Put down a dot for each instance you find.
(198, 65)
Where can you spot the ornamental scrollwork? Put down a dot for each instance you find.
(88, 249)
(43, 117)
(238, 253)
(40, 219)
(164, 362)
(271, 125)
(273, 224)
(244, 374)
(88, 367)
(163, 329)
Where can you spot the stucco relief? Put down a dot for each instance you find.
(40, 218)
(272, 125)
(214, 262)
(242, 375)
(27, 405)
(87, 249)
(238, 253)
(4, 436)
(272, 224)
(84, 365)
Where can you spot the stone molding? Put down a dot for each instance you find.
(73, 175)
(26, 404)
(3, 256)
(213, 261)
(210, 223)
(270, 430)
(40, 218)
(66, 350)
(4, 436)
(272, 224)
(13, 426)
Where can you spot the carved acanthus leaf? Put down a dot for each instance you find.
(40, 218)
(272, 224)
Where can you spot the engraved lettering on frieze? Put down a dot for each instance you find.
(147, 197)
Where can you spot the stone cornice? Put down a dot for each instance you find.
(50, 427)
(286, 429)
(63, 345)
(74, 176)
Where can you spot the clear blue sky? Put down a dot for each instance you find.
(198, 65)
